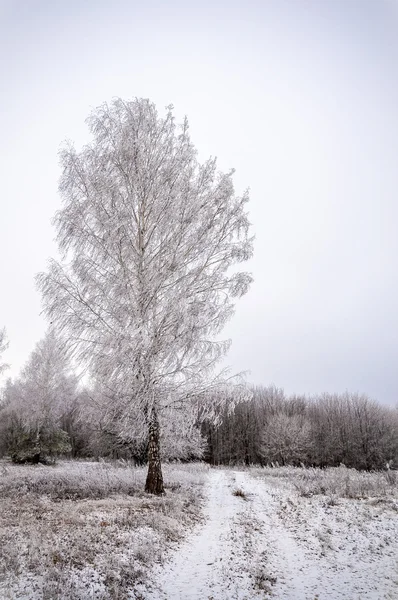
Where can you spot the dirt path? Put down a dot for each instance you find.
(250, 548)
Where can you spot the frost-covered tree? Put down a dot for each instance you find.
(3, 348)
(120, 434)
(286, 439)
(36, 402)
(148, 236)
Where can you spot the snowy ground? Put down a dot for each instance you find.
(273, 542)
(80, 531)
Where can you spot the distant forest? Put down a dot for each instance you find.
(326, 430)
(268, 428)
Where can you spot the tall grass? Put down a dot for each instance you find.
(87, 530)
(335, 481)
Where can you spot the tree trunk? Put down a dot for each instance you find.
(154, 480)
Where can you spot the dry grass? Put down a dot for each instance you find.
(87, 530)
(338, 482)
(239, 493)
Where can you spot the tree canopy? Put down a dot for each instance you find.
(148, 237)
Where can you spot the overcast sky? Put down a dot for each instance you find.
(299, 96)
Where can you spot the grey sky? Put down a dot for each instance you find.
(300, 96)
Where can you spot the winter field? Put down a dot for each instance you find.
(86, 530)
(82, 530)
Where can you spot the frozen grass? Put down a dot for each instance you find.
(87, 530)
(82, 480)
(330, 533)
(338, 482)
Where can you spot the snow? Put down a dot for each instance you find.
(86, 530)
(259, 533)
(203, 566)
(273, 542)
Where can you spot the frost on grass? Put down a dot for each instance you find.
(86, 530)
(335, 532)
(338, 482)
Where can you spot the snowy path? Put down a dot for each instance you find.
(200, 567)
(259, 547)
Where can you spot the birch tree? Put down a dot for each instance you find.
(148, 236)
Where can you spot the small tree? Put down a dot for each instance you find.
(36, 402)
(148, 237)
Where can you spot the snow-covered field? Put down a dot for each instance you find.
(270, 536)
(86, 530)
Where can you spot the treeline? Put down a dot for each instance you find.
(271, 428)
(46, 412)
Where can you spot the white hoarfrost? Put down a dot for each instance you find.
(46, 387)
(262, 539)
(3, 348)
(148, 237)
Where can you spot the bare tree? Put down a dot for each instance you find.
(148, 237)
(286, 439)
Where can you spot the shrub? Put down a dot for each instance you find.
(42, 445)
(240, 493)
